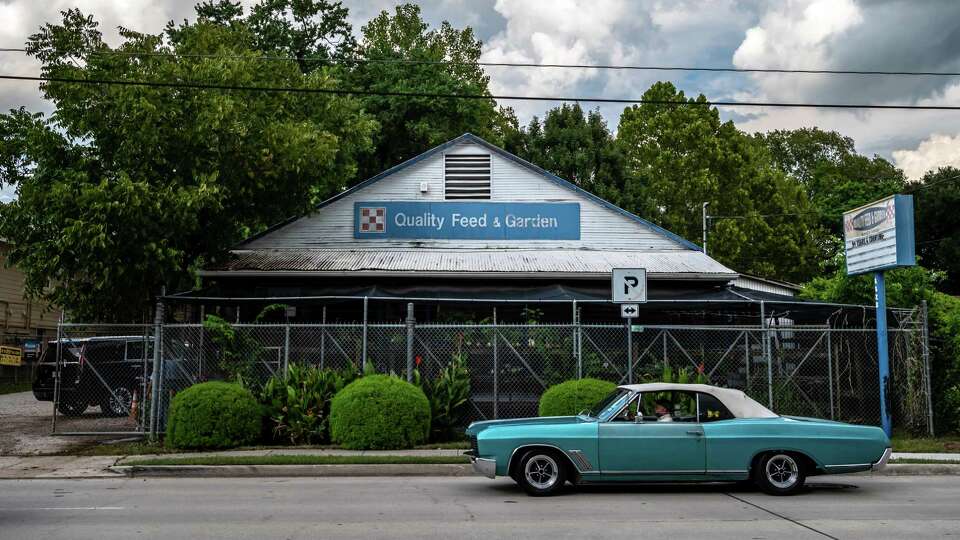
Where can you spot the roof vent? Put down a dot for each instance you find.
(467, 176)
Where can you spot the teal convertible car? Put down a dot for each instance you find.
(673, 432)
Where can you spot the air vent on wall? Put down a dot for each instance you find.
(467, 176)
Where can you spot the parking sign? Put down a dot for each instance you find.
(629, 285)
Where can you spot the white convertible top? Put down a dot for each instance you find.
(740, 404)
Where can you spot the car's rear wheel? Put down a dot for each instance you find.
(779, 473)
(541, 473)
(71, 407)
(118, 403)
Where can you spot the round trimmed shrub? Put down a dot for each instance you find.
(379, 412)
(213, 415)
(571, 397)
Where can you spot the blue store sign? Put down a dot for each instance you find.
(467, 220)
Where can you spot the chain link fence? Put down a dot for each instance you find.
(819, 371)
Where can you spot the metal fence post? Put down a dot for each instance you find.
(155, 377)
(323, 336)
(576, 340)
(496, 365)
(926, 368)
(363, 355)
(410, 322)
(746, 357)
(629, 351)
(286, 349)
(56, 373)
(767, 353)
(830, 370)
(580, 342)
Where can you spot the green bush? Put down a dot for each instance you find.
(571, 397)
(379, 412)
(213, 415)
(297, 405)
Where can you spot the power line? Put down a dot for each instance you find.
(764, 215)
(938, 182)
(384, 93)
(402, 61)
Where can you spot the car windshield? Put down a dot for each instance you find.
(611, 401)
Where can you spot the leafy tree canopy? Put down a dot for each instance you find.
(678, 157)
(576, 146)
(124, 187)
(412, 125)
(936, 199)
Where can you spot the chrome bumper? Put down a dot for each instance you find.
(486, 467)
(879, 465)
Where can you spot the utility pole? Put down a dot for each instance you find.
(704, 221)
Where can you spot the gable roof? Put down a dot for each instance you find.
(471, 138)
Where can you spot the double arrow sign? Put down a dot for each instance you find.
(629, 311)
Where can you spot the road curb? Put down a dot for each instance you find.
(920, 469)
(253, 471)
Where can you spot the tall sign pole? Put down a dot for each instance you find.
(883, 358)
(877, 237)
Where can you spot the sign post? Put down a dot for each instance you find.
(879, 236)
(629, 288)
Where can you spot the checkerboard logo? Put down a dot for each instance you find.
(373, 219)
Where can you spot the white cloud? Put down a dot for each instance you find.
(938, 150)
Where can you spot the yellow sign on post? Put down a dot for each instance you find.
(11, 356)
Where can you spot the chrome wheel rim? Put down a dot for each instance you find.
(782, 471)
(122, 402)
(541, 471)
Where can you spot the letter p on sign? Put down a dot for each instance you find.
(628, 285)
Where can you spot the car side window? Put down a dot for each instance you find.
(712, 410)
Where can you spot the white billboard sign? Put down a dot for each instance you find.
(879, 235)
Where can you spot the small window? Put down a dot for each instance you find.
(467, 176)
(711, 410)
(668, 406)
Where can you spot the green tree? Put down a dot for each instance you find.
(312, 31)
(833, 175)
(575, 146)
(679, 156)
(412, 125)
(936, 199)
(124, 188)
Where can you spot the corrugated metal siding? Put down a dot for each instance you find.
(515, 261)
(748, 282)
(332, 226)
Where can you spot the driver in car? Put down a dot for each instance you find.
(662, 410)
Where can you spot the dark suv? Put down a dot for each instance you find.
(98, 371)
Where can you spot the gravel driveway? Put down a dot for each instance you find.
(25, 426)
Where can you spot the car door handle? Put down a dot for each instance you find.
(694, 432)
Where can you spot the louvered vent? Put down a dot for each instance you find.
(467, 176)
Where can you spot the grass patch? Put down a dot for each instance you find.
(302, 460)
(903, 461)
(454, 445)
(13, 388)
(927, 445)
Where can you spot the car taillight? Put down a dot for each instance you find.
(82, 360)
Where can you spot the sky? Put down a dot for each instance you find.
(889, 35)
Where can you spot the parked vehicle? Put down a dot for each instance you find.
(95, 371)
(673, 432)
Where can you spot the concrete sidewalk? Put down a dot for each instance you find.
(113, 466)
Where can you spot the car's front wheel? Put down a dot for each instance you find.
(779, 474)
(541, 473)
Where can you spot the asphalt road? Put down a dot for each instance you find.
(422, 508)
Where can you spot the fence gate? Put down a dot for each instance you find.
(98, 376)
